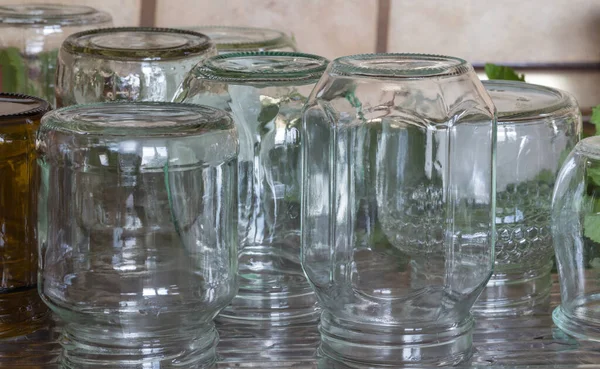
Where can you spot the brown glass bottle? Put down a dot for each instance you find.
(21, 310)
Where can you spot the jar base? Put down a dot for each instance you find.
(359, 345)
(516, 293)
(577, 328)
(87, 347)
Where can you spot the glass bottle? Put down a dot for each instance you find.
(575, 235)
(127, 64)
(537, 128)
(265, 92)
(30, 36)
(21, 310)
(397, 207)
(137, 231)
(243, 39)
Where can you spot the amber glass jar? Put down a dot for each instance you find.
(21, 310)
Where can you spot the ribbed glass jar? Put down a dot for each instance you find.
(265, 92)
(30, 36)
(21, 310)
(243, 39)
(137, 228)
(537, 128)
(127, 64)
(398, 207)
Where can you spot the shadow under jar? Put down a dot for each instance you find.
(30, 37)
(397, 206)
(21, 310)
(244, 39)
(576, 238)
(265, 93)
(537, 128)
(138, 242)
(127, 64)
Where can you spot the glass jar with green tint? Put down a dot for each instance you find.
(239, 39)
(265, 92)
(30, 36)
(127, 64)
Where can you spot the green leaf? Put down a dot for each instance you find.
(12, 71)
(591, 227)
(494, 71)
(595, 118)
(593, 175)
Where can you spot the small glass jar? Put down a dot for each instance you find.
(265, 91)
(30, 36)
(127, 64)
(398, 207)
(243, 39)
(21, 310)
(137, 229)
(537, 128)
(576, 238)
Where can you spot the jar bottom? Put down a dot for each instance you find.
(359, 345)
(94, 348)
(21, 312)
(516, 293)
(581, 328)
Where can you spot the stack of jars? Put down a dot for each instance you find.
(217, 175)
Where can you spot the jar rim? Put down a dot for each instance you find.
(400, 65)
(589, 146)
(232, 38)
(51, 14)
(263, 67)
(532, 108)
(105, 43)
(137, 119)
(39, 106)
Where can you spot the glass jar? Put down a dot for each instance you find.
(138, 220)
(241, 39)
(397, 206)
(21, 310)
(265, 91)
(576, 239)
(537, 128)
(127, 64)
(30, 36)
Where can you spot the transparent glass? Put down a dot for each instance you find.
(127, 64)
(30, 36)
(576, 238)
(21, 310)
(537, 128)
(137, 231)
(265, 92)
(242, 39)
(397, 206)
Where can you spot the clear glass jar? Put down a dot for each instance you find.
(397, 206)
(537, 128)
(576, 239)
(243, 39)
(21, 310)
(30, 36)
(127, 64)
(137, 229)
(265, 93)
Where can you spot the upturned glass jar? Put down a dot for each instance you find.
(265, 93)
(537, 128)
(21, 310)
(137, 231)
(127, 64)
(242, 39)
(398, 206)
(576, 239)
(30, 36)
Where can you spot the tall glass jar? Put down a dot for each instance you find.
(127, 64)
(265, 93)
(398, 206)
(537, 128)
(242, 39)
(21, 310)
(30, 36)
(137, 231)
